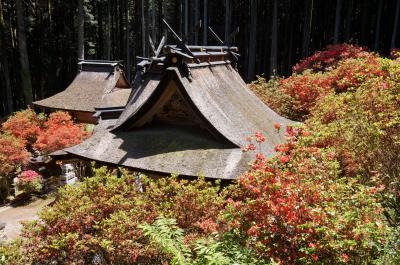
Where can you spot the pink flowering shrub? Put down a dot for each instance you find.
(29, 181)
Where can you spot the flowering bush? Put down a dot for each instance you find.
(13, 154)
(44, 134)
(29, 181)
(363, 127)
(99, 219)
(269, 92)
(295, 96)
(352, 73)
(330, 57)
(59, 132)
(24, 125)
(297, 209)
(303, 91)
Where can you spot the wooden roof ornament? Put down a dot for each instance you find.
(188, 114)
(98, 84)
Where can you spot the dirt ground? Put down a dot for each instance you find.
(13, 215)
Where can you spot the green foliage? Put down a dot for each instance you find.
(10, 253)
(213, 250)
(165, 234)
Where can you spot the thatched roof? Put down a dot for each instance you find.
(165, 149)
(222, 113)
(99, 84)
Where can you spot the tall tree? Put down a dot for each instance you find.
(108, 31)
(153, 20)
(4, 61)
(25, 72)
(337, 20)
(143, 28)
(80, 31)
(349, 18)
(378, 26)
(253, 39)
(196, 19)
(186, 19)
(205, 22)
(274, 39)
(228, 15)
(395, 26)
(128, 46)
(308, 18)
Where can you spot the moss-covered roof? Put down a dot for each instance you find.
(165, 149)
(97, 87)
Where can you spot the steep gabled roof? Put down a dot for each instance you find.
(220, 97)
(99, 84)
(222, 112)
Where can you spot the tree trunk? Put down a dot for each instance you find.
(25, 72)
(143, 29)
(108, 31)
(348, 20)
(205, 22)
(228, 15)
(395, 26)
(153, 22)
(128, 47)
(307, 27)
(337, 20)
(378, 26)
(196, 19)
(81, 31)
(186, 20)
(252, 40)
(274, 40)
(9, 108)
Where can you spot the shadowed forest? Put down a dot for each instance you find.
(41, 40)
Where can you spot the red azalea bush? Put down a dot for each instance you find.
(24, 125)
(44, 134)
(302, 92)
(296, 95)
(363, 127)
(296, 209)
(99, 219)
(352, 73)
(59, 132)
(13, 154)
(330, 57)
